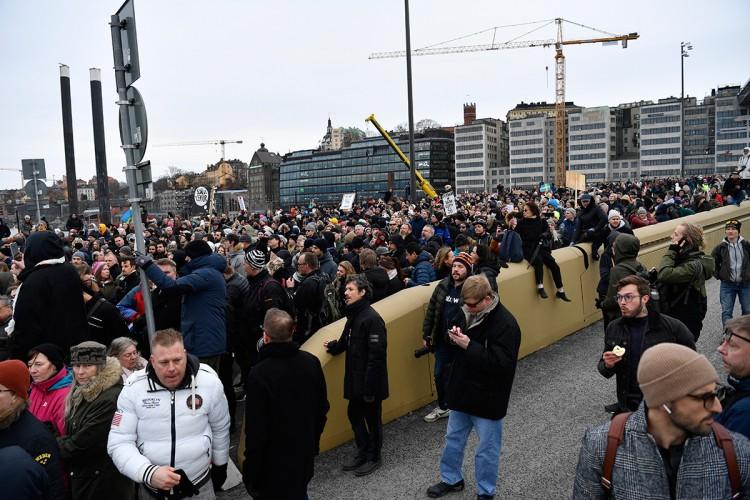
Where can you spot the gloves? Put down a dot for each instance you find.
(218, 475)
(143, 260)
(369, 399)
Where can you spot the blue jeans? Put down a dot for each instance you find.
(487, 457)
(728, 294)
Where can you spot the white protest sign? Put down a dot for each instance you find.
(201, 196)
(347, 201)
(449, 202)
(241, 202)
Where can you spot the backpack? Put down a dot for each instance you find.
(617, 433)
(673, 298)
(287, 304)
(330, 310)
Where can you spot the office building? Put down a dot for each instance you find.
(592, 142)
(482, 160)
(732, 126)
(368, 168)
(263, 180)
(661, 137)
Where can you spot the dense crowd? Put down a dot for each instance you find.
(125, 415)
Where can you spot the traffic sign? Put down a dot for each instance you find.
(126, 14)
(33, 189)
(29, 166)
(136, 116)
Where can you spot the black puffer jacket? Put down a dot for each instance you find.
(592, 217)
(378, 278)
(364, 340)
(660, 328)
(482, 375)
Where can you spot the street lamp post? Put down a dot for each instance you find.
(685, 47)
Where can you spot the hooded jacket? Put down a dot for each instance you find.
(204, 294)
(423, 271)
(47, 399)
(590, 218)
(626, 248)
(328, 266)
(735, 412)
(88, 417)
(49, 305)
(155, 426)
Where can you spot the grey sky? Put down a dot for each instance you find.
(255, 70)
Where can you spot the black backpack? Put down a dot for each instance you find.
(330, 309)
(287, 298)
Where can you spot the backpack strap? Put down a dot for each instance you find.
(585, 256)
(614, 439)
(96, 306)
(724, 441)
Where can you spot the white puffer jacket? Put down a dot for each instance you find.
(154, 426)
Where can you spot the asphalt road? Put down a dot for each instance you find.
(557, 394)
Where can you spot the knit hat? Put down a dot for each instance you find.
(358, 242)
(641, 210)
(80, 255)
(88, 353)
(734, 223)
(461, 240)
(15, 376)
(613, 213)
(255, 259)
(52, 352)
(668, 372)
(321, 243)
(197, 248)
(586, 197)
(246, 238)
(465, 259)
(311, 227)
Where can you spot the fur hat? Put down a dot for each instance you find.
(88, 353)
(15, 376)
(668, 372)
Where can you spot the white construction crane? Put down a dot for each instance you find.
(515, 43)
(220, 142)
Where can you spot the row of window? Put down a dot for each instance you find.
(528, 151)
(696, 121)
(660, 109)
(588, 156)
(469, 138)
(660, 119)
(525, 161)
(588, 166)
(587, 137)
(699, 161)
(664, 161)
(661, 151)
(584, 147)
(467, 147)
(524, 133)
(660, 130)
(661, 140)
(588, 126)
(526, 142)
(470, 173)
(467, 130)
(469, 156)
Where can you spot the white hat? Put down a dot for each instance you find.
(613, 213)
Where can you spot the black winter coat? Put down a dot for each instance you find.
(34, 437)
(84, 447)
(104, 320)
(308, 301)
(286, 412)
(237, 292)
(50, 306)
(660, 328)
(482, 375)
(593, 217)
(530, 230)
(378, 278)
(364, 340)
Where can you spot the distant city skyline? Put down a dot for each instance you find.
(274, 73)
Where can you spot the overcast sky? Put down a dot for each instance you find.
(274, 71)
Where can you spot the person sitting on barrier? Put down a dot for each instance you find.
(627, 337)
(444, 304)
(365, 373)
(535, 241)
(666, 449)
(487, 337)
(591, 221)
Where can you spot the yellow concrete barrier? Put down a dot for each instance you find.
(543, 322)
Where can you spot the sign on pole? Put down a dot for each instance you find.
(241, 202)
(201, 196)
(347, 201)
(449, 202)
(575, 180)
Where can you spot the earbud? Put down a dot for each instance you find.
(666, 408)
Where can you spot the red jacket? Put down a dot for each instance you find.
(47, 399)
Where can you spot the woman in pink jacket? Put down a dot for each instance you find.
(50, 385)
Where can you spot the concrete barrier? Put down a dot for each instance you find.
(543, 322)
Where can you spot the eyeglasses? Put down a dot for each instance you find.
(728, 334)
(708, 398)
(473, 304)
(628, 297)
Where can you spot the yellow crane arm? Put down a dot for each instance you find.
(424, 185)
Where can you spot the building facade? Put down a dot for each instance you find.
(368, 168)
(482, 160)
(263, 180)
(732, 126)
(592, 142)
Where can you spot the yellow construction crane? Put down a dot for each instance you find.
(424, 185)
(220, 142)
(558, 43)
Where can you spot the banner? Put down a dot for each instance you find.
(347, 201)
(449, 202)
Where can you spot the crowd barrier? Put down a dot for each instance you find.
(543, 321)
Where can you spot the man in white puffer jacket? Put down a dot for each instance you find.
(172, 416)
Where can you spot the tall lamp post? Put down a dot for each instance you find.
(412, 166)
(685, 47)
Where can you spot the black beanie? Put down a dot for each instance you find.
(53, 353)
(197, 248)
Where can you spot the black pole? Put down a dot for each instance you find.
(70, 158)
(412, 166)
(100, 150)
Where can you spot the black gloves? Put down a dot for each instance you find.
(218, 476)
(143, 260)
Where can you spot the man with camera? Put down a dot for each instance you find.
(487, 337)
(444, 304)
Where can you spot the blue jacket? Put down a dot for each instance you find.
(423, 271)
(511, 249)
(736, 417)
(568, 230)
(203, 305)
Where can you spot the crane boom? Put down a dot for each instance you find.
(558, 43)
(423, 183)
(220, 142)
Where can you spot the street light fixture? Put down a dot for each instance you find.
(685, 48)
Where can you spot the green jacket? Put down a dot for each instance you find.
(88, 416)
(689, 267)
(626, 248)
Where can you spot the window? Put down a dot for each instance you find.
(660, 109)
(660, 119)
(663, 151)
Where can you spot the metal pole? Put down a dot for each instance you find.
(100, 150)
(70, 158)
(36, 195)
(682, 110)
(412, 165)
(130, 168)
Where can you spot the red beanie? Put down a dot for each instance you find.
(15, 376)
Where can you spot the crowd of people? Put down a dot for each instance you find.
(93, 404)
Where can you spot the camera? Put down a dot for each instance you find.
(418, 353)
